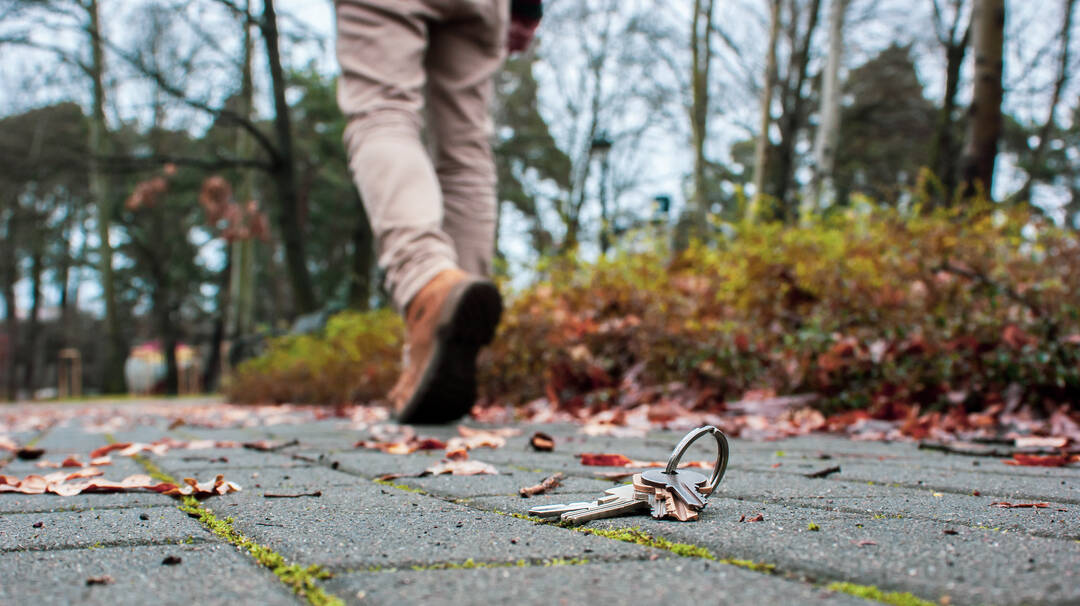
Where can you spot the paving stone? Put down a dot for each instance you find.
(180, 461)
(11, 502)
(885, 500)
(105, 527)
(368, 526)
(666, 581)
(1046, 486)
(208, 573)
(975, 566)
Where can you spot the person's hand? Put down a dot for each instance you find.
(521, 34)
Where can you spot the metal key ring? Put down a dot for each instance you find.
(721, 455)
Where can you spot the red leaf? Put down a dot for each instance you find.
(1029, 460)
(604, 460)
(104, 450)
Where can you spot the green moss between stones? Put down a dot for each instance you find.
(637, 536)
(869, 592)
(404, 487)
(303, 581)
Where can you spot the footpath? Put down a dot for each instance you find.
(313, 524)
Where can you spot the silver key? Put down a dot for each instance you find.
(613, 503)
(625, 502)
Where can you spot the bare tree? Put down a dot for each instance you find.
(761, 148)
(828, 131)
(701, 61)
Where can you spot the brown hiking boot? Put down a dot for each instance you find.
(447, 322)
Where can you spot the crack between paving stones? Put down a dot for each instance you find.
(77, 509)
(303, 581)
(104, 545)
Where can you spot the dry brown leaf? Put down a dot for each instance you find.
(542, 442)
(476, 440)
(1007, 505)
(758, 518)
(548, 483)
(1028, 460)
(101, 580)
(460, 468)
(8, 444)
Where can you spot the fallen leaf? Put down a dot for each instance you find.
(1007, 505)
(8, 444)
(604, 460)
(758, 518)
(775, 465)
(460, 468)
(171, 560)
(391, 476)
(1029, 460)
(104, 450)
(203, 489)
(824, 473)
(542, 442)
(545, 485)
(863, 543)
(949, 531)
(404, 446)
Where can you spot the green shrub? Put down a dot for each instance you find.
(356, 359)
(867, 307)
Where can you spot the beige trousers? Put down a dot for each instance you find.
(403, 61)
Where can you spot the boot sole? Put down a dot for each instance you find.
(447, 389)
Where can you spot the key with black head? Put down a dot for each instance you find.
(690, 486)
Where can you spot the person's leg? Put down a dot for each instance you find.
(381, 46)
(449, 314)
(462, 59)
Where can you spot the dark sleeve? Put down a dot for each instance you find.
(529, 10)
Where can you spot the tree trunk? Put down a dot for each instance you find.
(701, 53)
(761, 148)
(32, 355)
(9, 274)
(943, 150)
(113, 380)
(828, 133)
(984, 116)
(284, 172)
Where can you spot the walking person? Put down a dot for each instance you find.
(413, 66)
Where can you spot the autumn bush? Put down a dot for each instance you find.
(864, 307)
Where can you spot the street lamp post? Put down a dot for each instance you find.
(601, 146)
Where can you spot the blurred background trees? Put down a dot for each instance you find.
(679, 118)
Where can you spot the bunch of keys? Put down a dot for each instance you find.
(672, 493)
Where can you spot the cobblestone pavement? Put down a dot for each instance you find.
(894, 520)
